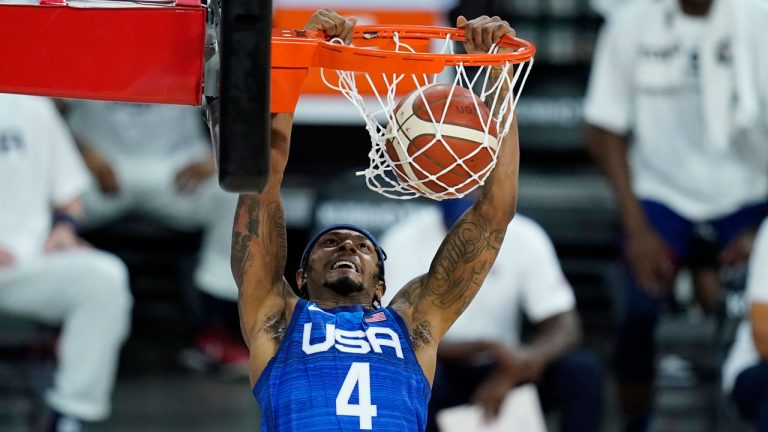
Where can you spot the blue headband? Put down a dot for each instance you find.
(379, 251)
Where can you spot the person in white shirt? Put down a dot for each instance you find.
(745, 372)
(675, 119)
(47, 273)
(482, 358)
(157, 161)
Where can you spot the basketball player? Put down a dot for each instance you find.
(329, 358)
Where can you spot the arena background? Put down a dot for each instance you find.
(559, 188)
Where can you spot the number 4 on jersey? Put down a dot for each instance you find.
(359, 375)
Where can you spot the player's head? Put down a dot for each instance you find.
(344, 259)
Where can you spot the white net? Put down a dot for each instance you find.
(402, 166)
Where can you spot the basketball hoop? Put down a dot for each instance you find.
(386, 62)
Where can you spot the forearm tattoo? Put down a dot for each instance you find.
(460, 266)
(246, 229)
(275, 241)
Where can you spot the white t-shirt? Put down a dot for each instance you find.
(120, 131)
(743, 353)
(671, 158)
(526, 276)
(40, 168)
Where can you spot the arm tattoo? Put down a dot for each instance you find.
(458, 267)
(241, 239)
(275, 242)
(414, 292)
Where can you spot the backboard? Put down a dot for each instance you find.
(91, 49)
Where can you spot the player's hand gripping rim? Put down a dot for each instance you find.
(333, 24)
(483, 33)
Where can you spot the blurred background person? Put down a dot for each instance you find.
(482, 358)
(156, 161)
(673, 121)
(745, 373)
(47, 273)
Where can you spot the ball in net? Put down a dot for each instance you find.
(442, 140)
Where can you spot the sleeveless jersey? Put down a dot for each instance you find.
(343, 369)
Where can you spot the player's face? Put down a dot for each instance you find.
(345, 261)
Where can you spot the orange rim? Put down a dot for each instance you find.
(295, 51)
(523, 50)
(361, 58)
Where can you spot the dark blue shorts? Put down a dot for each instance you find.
(688, 242)
(681, 235)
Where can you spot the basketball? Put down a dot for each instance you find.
(437, 141)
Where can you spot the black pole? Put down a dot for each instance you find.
(246, 36)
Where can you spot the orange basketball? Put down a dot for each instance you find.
(417, 152)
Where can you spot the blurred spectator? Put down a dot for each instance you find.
(46, 272)
(482, 359)
(678, 80)
(745, 373)
(157, 161)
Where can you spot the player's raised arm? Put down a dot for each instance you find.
(259, 244)
(432, 302)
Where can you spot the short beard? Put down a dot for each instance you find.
(344, 286)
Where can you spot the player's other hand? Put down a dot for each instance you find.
(189, 178)
(332, 23)
(6, 258)
(481, 33)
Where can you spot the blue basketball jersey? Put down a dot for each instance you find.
(343, 369)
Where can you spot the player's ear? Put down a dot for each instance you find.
(381, 288)
(300, 277)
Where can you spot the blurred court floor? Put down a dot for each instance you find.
(155, 394)
(181, 402)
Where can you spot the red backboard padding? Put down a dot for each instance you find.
(150, 55)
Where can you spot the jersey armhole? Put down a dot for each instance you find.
(301, 304)
(400, 322)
